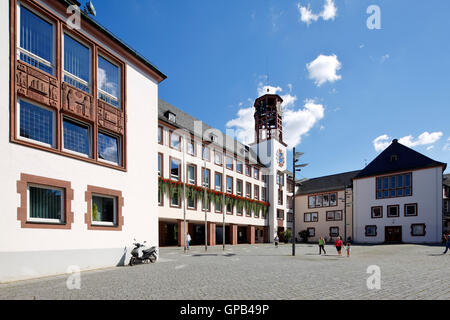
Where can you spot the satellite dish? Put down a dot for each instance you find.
(89, 7)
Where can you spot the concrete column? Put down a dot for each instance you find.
(233, 234)
(181, 232)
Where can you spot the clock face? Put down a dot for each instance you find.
(280, 157)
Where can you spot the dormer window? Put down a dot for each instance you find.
(171, 116)
(213, 138)
(394, 158)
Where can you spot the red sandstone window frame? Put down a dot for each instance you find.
(405, 210)
(423, 234)
(372, 212)
(119, 201)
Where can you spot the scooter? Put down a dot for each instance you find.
(148, 255)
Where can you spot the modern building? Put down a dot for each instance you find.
(446, 203)
(77, 165)
(324, 207)
(233, 192)
(398, 198)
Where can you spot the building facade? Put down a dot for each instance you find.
(398, 198)
(214, 187)
(446, 203)
(74, 102)
(324, 207)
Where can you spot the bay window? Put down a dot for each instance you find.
(37, 123)
(76, 64)
(76, 137)
(108, 75)
(36, 45)
(108, 148)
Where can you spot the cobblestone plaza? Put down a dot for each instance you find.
(258, 272)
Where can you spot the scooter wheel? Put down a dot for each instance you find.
(132, 261)
(152, 259)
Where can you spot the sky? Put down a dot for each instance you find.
(353, 74)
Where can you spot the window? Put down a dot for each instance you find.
(191, 202)
(218, 181)
(229, 208)
(76, 64)
(394, 186)
(229, 184)
(248, 190)
(446, 205)
(175, 200)
(218, 206)
(248, 213)
(263, 194)
(239, 166)
(248, 170)
(280, 178)
(205, 153)
(371, 231)
(418, 230)
(36, 41)
(218, 158)
(108, 148)
(175, 141)
(191, 148)
(37, 123)
(238, 211)
(213, 137)
(256, 192)
(229, 163)
(108, 75)
(410, 209)
(393, 211)
(103, 210)
(311, 217)
(160, 165)
(280, 214)
(322, 200)
(175, 173)
(377, 212)
(334, 215)
(280, 196)
(77, 137)
(257, 213)
(256, 173)
(192, 174)
(46, 204)
(290, 217)
(172, 117)
(334, 231)
(160, 197)
(311, 232)
(160, 135)
(206, 178)
(239, 187)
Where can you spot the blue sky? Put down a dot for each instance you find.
(386, 83)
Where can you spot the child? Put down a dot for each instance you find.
(347, 246)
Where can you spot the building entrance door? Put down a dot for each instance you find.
(393, 234)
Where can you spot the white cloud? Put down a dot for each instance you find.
(262, 90)
(447, 145)
(323, 69)
(430, 147)
(329, 12)
(385, 57)
(297, 121)
(426, 138)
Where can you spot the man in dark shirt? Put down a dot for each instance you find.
(447, 244)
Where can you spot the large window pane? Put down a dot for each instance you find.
(191, 174)
(76, 137)
(108, 82)
(45, 203)
(36, 37)
(103, 209)
(175, 169)
(108, 148)
(36, 123)
(76, 63)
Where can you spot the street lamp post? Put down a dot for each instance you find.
(295, 168)
(183, 177)
(206, 211)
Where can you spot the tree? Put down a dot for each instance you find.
(304, 235)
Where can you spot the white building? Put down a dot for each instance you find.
(77, 165)
(245, 185)
(398, 198)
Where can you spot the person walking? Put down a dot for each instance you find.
(447, 244)
(276, 240)
(322, 246)
(347, 248)
(188, 239)
(339, 245)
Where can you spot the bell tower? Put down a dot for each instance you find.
(268, 118)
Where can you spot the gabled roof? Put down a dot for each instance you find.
(327, 183)
(398, 157)
(187, 122)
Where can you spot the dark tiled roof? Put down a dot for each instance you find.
(398, 157)
(327, 183)
(186, 121)
(446, 180)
